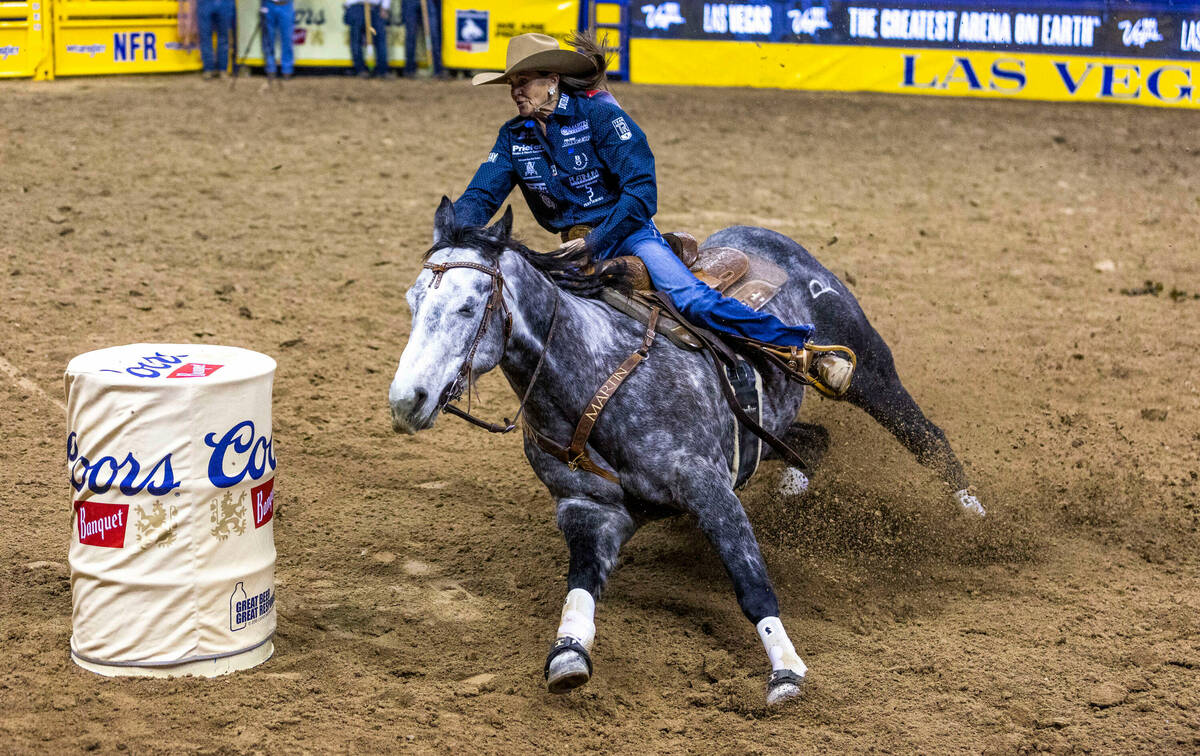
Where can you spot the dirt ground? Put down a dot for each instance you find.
(291, 222)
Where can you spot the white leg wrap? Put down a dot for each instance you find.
(779, 648)
(792, 482)
(969, 502)
(578, 615)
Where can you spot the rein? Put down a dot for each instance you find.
(574, 456)
(463, 380)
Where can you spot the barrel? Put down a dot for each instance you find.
(171, 463)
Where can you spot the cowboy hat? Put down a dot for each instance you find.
(538, 52)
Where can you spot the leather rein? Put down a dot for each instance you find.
(462, 381)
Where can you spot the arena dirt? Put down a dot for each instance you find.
(420, 578)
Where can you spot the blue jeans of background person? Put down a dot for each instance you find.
(410, 12)
(214, 16)
(699, 302)
(358, 33)
(278, 19)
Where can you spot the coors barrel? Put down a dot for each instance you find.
(171, 464)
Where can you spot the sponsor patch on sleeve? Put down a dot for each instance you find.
(622, 129)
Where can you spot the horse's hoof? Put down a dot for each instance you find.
(793, 482)
(969, 503)
(783, 685)
(568, 666)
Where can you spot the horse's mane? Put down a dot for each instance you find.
(569, 271)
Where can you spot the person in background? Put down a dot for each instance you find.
(356, 18)
(414, 29)
(279, 18)
(214, 17)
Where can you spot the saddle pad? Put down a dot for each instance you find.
(747, 447)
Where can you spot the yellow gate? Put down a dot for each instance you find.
(119, 36)
(25, 39)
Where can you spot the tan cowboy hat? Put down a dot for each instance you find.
(538, 52)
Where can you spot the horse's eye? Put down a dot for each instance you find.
(465, 309)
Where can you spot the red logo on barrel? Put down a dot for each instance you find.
(194, 370)
(101, 524)
(262, 498)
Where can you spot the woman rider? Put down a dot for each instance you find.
(582, 161)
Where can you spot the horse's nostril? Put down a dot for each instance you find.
(419, 397)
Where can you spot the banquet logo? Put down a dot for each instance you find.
(101, 524)
(262, 499)
(101, 474)
(242, 451)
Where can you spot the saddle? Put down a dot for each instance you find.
(750, 279)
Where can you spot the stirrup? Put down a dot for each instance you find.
(828, 369)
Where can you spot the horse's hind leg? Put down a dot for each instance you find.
(877, 390)
(723, 520)
(594, 534)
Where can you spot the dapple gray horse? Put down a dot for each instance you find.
(666, 433)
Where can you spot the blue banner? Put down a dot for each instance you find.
(1165, 30)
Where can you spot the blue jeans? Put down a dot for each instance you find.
(358, 35)
(214, 16)
(410, 12)
(278, 19)
(699, 302)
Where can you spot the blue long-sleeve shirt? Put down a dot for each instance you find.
(593, 166)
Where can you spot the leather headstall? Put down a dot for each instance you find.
(575, 455)
(462, 381)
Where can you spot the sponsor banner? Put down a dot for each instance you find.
(321, 36)
(90, 40)
(477, 33)
(1069, 78)
(1091, 27)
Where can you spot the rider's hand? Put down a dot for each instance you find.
(572, 247)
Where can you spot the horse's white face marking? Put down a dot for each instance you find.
(444, 322)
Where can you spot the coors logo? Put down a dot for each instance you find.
(101, 524)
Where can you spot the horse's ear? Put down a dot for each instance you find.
(502, 229)
(443, 220)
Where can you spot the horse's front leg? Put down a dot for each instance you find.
(724, 521)
(595, 534)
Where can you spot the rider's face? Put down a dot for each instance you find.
(532, 90)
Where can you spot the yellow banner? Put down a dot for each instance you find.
(25, 40)
(321, 37)
(119, 36)
(475, 34)
(960, 73)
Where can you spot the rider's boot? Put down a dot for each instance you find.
(827, 370)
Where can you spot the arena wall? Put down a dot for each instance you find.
(1092, 51)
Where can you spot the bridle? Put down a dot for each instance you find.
(462, 381)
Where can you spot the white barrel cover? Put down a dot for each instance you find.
(172, 472)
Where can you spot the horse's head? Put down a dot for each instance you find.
(459, 319)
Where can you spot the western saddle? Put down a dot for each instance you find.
(752, 280)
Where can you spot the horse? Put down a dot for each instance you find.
(483, 300)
